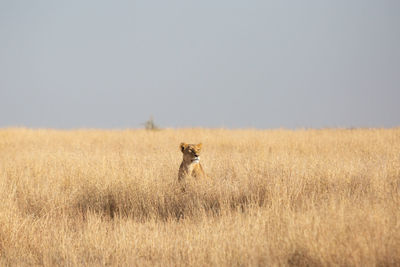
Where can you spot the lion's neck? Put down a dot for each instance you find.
(189, 166)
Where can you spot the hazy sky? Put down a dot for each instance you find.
(263, 64)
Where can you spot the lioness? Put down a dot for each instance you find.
(190, 165)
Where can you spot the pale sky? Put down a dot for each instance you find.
(233, 64)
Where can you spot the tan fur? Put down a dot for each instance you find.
(190, 166)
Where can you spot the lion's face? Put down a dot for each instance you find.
(191, 153)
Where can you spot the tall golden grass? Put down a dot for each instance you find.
(276, 197)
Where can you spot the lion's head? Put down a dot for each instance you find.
(191, 153)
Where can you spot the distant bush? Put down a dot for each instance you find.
(151, 125)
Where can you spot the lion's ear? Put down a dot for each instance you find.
(183, 146)
(199, 145)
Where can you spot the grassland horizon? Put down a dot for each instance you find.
(278, 197)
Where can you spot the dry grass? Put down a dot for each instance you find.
(277, 197)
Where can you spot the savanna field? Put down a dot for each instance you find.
(274, 198)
